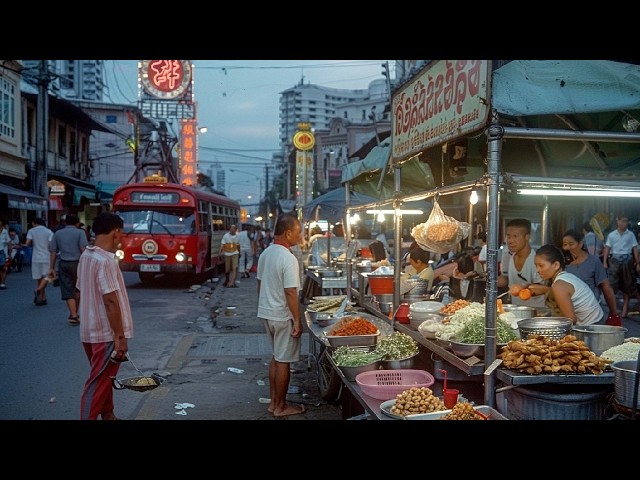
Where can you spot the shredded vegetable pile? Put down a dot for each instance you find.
(397, 346)
(473, 332)
(473, 315)
(354, 326)
(345, 356)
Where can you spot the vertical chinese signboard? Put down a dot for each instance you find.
(188, 153)
(304, 141)
(448, 99)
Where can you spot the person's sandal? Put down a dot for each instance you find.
(74, 320)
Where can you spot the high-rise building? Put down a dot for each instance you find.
(74, 79)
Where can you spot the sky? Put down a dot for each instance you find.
(238, 102)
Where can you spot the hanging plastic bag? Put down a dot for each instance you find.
(440, 233)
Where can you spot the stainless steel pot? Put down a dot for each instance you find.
(599, 337)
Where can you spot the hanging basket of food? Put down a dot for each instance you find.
(440, 233)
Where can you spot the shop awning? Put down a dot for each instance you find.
(23, 200)
(79, 192)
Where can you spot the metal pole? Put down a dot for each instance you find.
(494, 144)
(42, 121)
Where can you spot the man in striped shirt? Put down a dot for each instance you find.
(106, 321)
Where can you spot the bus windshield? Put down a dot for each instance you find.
(167, 221)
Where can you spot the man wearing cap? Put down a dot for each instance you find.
(70, 242)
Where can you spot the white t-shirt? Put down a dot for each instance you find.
(233, 240)
(40, 237)
(244, 240)
(278, 269)
(527, 275)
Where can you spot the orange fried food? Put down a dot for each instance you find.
(515, 289)
(357, 326)
(499, 306)
(525, 294)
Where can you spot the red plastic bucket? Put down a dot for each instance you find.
(380, 284)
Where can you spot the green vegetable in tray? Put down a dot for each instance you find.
(345, 356)
(473, 332)
(397, 346)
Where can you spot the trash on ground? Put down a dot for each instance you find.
(52, 400)
(264, 400)
(235, 370)
(181, 412)
(260, 382)
(182, 406)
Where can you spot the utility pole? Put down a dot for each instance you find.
(42, 123)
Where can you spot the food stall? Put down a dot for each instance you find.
(487, 113)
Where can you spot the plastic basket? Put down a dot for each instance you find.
(387, 384)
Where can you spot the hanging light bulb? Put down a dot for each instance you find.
(473, 198)
(381, 217)
(355, 218)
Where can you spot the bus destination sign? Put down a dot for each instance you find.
(154, 197)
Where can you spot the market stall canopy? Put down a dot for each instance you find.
(554, 87)
(561, 95)
(332, 205)
(365, 174)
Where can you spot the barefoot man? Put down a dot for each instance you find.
(278, 281)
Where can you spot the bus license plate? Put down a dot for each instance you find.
(150, 267)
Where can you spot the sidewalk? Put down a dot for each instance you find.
(197, 370)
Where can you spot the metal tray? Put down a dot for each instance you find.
(350, 340)
(492, 413)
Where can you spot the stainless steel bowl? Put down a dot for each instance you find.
(329, 272)
(466, 350)
(315, 316)
(520, 311)
(351, 372)
(400, 364)
(385, 307)
(599, 337)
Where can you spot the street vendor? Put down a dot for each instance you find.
(419, 261)
(518, 269)
(574, 298)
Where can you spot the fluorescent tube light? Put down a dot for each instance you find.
(392, 212)
(579, 193)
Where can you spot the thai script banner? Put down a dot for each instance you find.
(446, 100)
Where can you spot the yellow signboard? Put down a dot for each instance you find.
(304, 140)
(155, 179)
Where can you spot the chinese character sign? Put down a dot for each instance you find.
(188, 153)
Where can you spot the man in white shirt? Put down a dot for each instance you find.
(39, 237)
(624, 264)
(230, 248)
(247, 251)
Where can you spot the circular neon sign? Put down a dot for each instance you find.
(166, 79)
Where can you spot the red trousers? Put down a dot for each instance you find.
(97, 395)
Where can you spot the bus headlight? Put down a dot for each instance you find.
(180, 257)
(119, 254)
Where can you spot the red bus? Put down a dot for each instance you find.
(171, 228)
